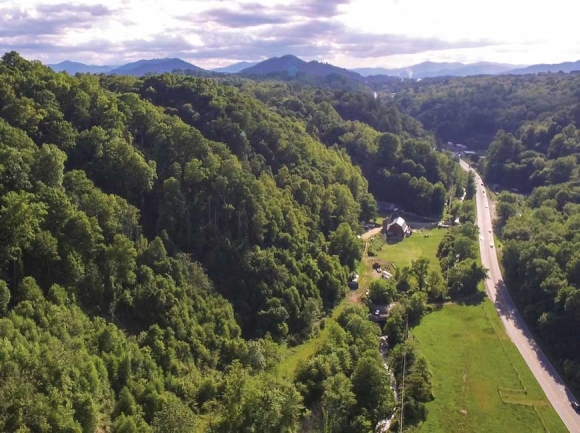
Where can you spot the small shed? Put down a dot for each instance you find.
(386, 275)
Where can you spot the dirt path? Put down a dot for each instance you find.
(367, 235)
(355, 296)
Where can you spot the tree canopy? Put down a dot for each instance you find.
(160, 238)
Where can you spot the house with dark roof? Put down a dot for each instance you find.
(396, 228)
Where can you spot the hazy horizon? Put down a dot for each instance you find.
(117, 64)
(350, 34)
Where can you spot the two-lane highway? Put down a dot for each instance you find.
(558, 394)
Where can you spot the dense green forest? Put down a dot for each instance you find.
(472, 110)
(542, 267)
(539, 154)
(163, 239)
(525, 123)
(395, 154)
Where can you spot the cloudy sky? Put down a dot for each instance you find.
(348, 33)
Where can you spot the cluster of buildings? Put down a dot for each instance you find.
(459, 150)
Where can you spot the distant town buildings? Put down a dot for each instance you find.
(459, 150)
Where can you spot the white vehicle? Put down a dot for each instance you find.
(491, 245)
(489, 230)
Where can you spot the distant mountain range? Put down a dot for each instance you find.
(138, 69)
(435, 69)
(292, 65)
(536, 69)
(76, 67)
(236, 67)
(155, 66)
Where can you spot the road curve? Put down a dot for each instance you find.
(558, 394)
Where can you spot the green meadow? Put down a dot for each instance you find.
(480, 381)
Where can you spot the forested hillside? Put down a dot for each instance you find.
(527, 123)
(125, 232)
(472, 110)
(163, 239)
(539, 154)
(394, 152)
(542, 267)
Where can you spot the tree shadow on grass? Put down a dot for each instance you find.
(470, 300)
(436, 306)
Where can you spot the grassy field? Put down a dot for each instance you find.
(480, 381)
(420, 244)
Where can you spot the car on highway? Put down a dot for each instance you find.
(491, 245)
(486, 206)
(489, 230)
(576, 406)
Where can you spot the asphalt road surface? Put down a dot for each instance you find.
(559, 395)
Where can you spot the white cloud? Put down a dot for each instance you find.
(529, 31)
(356, 33)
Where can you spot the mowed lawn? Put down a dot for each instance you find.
(418, 245)
(474, 363)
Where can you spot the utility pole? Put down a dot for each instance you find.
(404, 368)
